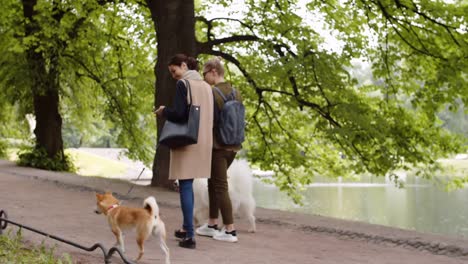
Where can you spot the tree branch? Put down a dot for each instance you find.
(113, 99)
(390, 18)
(234, 61)
(234, 38)
(210, 22)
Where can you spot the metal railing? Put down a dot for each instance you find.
(107, 253)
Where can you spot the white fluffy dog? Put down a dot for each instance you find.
(240, 179)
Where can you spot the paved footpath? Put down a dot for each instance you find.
(62, 204)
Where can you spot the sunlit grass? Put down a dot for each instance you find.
(12, 154)
(456, 164)
(456, 172)
(88, 164)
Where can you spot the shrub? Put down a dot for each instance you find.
(37, 158)
(3, 149)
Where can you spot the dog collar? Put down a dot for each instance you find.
(112, 207)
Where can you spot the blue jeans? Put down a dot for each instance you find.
(186, 203)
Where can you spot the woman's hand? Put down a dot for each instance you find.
(159, 111)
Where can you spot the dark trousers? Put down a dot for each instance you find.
(218, 185)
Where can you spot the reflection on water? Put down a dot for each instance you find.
(420, 206)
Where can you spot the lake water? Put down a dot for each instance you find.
(420, 205)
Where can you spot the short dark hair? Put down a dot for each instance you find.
(178, 59)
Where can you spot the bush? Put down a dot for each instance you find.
(38, 158)
(3, 149)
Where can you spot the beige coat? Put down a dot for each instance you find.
(194, 161)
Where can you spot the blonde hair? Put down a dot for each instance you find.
(214, 63)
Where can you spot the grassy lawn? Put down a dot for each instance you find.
(88, 164)
(13, 250)
(455, 164)
(12, 153)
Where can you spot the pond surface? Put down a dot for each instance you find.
(420, 205)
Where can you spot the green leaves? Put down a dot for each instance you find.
(103, 57)
(111, 78)
(310, 115)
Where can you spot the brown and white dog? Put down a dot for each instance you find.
(146, 220)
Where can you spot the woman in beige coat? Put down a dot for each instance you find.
(192, 161)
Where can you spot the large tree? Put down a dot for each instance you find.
(307, 111)
(43, 64)
(86, 60)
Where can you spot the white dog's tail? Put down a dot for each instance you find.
(151, 205)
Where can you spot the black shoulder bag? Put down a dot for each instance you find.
(176, 135)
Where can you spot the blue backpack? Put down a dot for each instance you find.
(231, 122)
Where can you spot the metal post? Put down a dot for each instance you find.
(3, 224)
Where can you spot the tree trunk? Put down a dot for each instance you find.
(45, 89)
(48, 129)
(174, 23)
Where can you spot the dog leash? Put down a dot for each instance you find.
(133, 185)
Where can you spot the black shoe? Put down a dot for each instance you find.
(188, 243)
(180, 234)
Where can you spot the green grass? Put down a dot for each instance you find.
(88, 164)
(454, 169)
(14, 251)
(455, 164)
(12, 154)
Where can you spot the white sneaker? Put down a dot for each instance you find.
(226, 236)
(206, 230)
